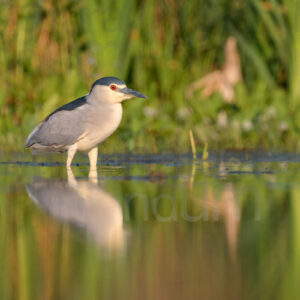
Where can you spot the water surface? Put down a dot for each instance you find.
(152, 227)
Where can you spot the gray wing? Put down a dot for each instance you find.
(61, 128)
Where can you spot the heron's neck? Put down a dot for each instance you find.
(98, 104)
(95, 98)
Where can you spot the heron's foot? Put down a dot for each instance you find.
(93, 156)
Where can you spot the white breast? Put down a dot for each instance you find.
(100, 122)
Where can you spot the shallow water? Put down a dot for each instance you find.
(152, 227)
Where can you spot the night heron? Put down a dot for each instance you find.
(83, 123)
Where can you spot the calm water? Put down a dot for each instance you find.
(152, 227)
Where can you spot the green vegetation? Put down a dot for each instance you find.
(51, 51)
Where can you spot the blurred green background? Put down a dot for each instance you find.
(52, 51)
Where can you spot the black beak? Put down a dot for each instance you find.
(132, 93)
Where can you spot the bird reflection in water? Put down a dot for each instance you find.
(84, 204)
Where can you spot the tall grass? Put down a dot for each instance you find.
(51, 52)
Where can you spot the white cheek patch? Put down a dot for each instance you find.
(119, 95)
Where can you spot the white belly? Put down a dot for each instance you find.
(100, 123)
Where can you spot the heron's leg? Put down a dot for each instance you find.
(93, 175)
(71, 178)
(71, 152)
(93, 156)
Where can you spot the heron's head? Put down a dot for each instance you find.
(112, 89)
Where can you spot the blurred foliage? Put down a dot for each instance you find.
(51, 51)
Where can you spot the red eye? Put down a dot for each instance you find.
(113, 87)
